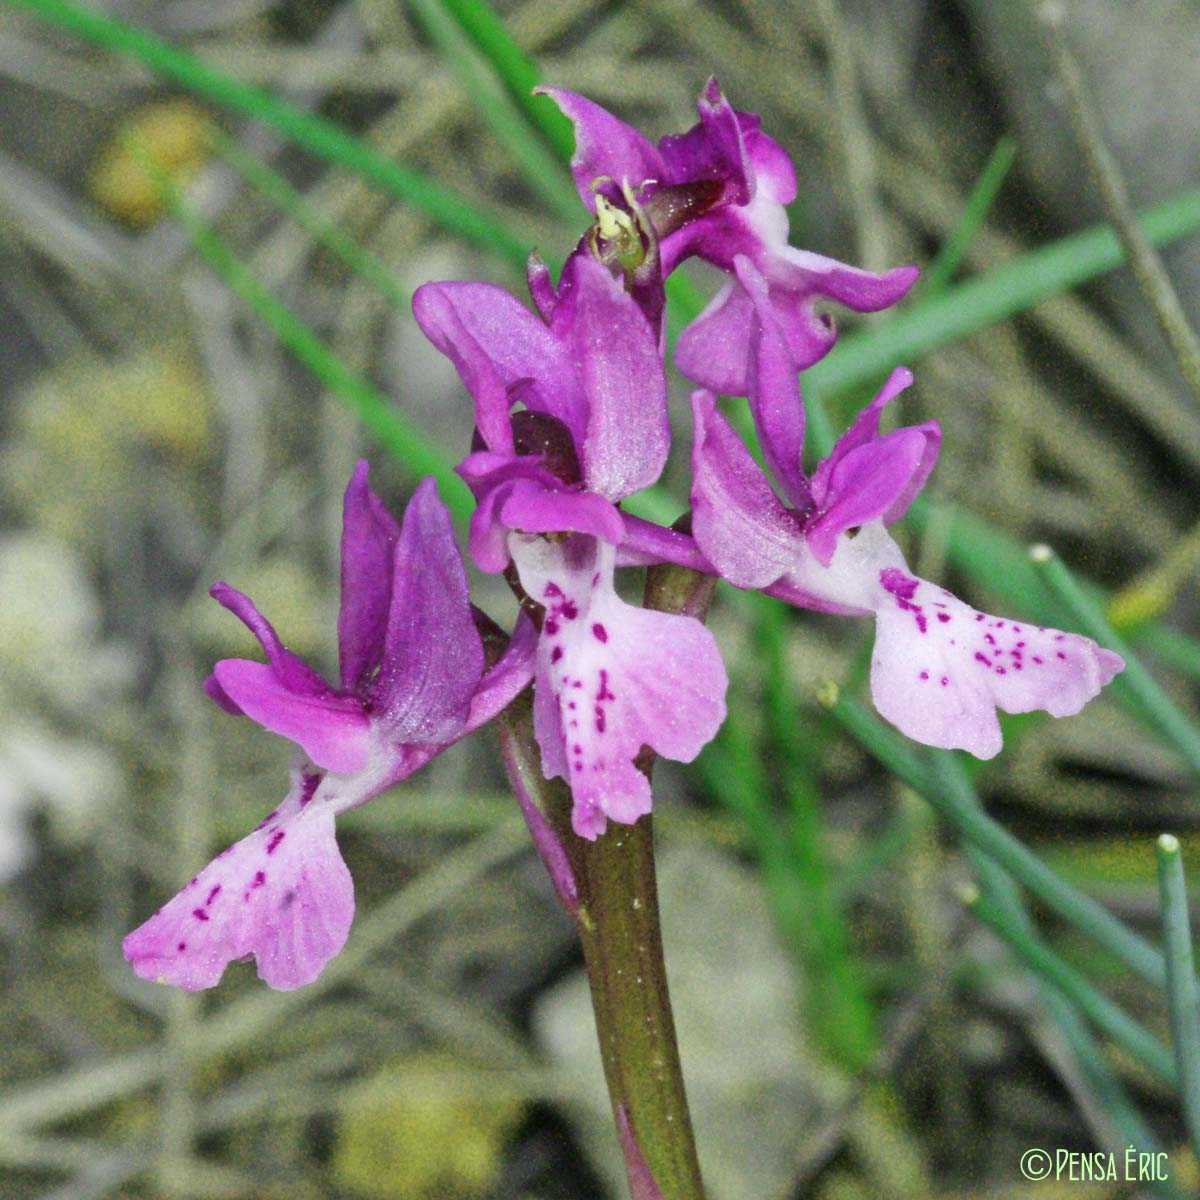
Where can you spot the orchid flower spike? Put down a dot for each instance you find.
(940, 669)
(412, 683)
(719, 191)
(610, 677)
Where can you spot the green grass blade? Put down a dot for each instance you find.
(318, 136)
(495, 105)
(983, 196)
(1181, 981)
(1135, 683)
(325, 232)
(899, 756)
(1001, 889)
(968, 307)
(1174, 648)
(846, 1017)
(403, 440)
(516, 70)
(1098, 1008)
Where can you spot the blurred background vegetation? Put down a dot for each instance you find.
(204, 323)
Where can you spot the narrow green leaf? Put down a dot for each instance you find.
(495, 106)
(1106, 1015)
(899, 756)
(514, 67)
(1000, 888)
(324, 231)
(968, 307)
(315, 134)
(1135, 683)
(983, 196)
(1182, 993)
(403, 440)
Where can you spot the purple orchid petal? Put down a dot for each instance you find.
(864, 429)
(604, 146)
(541, 289)
(867, 483)
(217, 692)
(774, 390)
(713, 350)
(433, 656)
(533, 508)
(646, 544)
(941, 669)
(495, 342)
(611, 679)
(369, 534)
(510, 675)
(774, 172)
(331, 729)
(739, 524)
(292, 671)
(282, 895)
(616, 355)
(714, 149)
(708, 349)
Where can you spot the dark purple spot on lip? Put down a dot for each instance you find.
(571, 704)
(945, 681)
(199, 914)
(1016, 629)
(1001, 671)
(987, 637)
(1061, 655)
(600, 722)
(1017, 665)
(552, 589)
(924, 674)
(901, 586)
(213, 895)
(595, 579)
(1060, 637)
(556, 654)
(309, 790)
(577, 749)
(550, 626)
(181, 947)
(922, 623)
(264, 822)
(604, 693)
(289, 898)
(943, 617)
(577, 683)
(259, 879)
(979, 616)
(987, 662)
(568, 611)
(1037, 660)
(600, 632)
(276, 838)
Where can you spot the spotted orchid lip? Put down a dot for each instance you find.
(412, 683)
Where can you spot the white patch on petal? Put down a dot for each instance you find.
(940, 668)
(612, 678)
(282, 895)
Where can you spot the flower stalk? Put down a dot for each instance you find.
(614, 899)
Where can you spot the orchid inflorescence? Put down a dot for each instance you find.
(570, 408)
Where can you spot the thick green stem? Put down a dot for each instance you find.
(617, 914)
